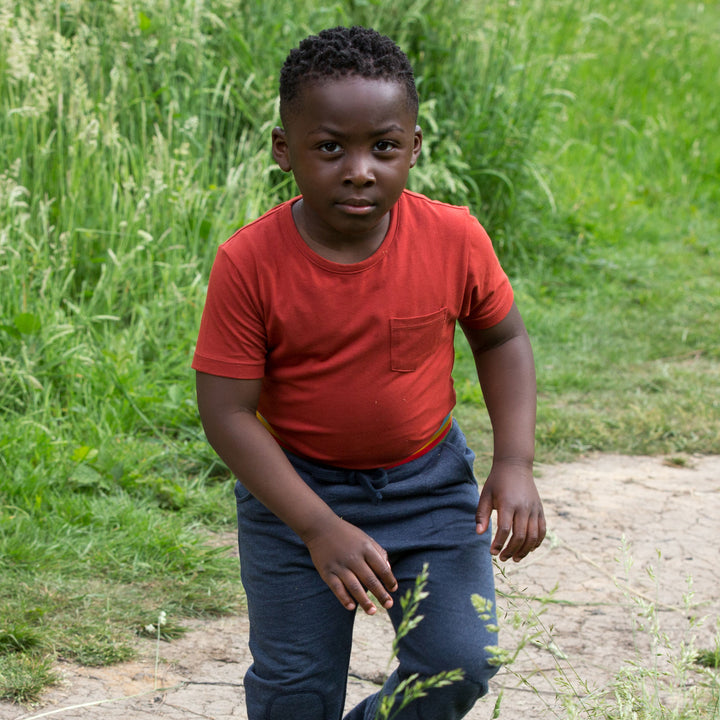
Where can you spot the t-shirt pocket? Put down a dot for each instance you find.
(414, 339)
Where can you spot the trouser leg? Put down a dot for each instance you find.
(300, 635)
(451, 634)
(438, 528)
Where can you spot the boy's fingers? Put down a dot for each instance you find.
(516, 545)
(502, 533)
(377, 582)
(360, 589)
(375, 578)
(381, 584)
(527, 535)
(381, 567)
(355, 588)
(542, 529)
(534, 534)
(353, 572)
(340, 592)
(482, 515)
(517, 548)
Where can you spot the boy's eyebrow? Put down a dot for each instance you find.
(327, 130)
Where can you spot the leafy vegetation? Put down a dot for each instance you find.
(135, 139)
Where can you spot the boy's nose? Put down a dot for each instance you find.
(359, 171)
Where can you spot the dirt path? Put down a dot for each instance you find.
(669, 515)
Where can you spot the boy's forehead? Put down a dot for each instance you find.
(348, 95)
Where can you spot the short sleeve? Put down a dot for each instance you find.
(232, 340)
(488, 294)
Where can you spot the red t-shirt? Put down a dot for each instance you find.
(355, 359)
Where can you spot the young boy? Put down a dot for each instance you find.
(324, 382)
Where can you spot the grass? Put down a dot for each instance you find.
(24, 677)
(664, 677)
(621, 305)
(134, 138)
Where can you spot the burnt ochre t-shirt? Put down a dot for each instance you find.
(355, 359)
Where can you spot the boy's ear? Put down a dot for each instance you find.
(280, 151)
(417, 145)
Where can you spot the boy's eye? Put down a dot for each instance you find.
(330, 147)
(384, 146)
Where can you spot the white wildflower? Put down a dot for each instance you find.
(191, 125)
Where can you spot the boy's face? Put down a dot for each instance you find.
(350, 145)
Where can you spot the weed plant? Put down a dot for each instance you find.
(667, 677)
(134, 139)
(412, 688)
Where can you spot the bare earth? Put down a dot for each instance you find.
(669, 514)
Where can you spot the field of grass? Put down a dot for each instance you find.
(134, 137)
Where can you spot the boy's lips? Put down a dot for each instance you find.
(356, 206)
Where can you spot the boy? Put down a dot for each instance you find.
(324, 382)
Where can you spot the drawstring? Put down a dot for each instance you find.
(372, 481)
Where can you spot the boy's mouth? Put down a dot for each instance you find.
(356, 206)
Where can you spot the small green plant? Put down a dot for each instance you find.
(162, 628)
(709, 658)
(100, 648)
(670, 681)
(528, 628)
(161, 621)
(19, 638)
(412, 687)
(24, 677)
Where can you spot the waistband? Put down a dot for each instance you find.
(438, 436)
(373, 480)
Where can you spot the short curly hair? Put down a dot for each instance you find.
(339, 52)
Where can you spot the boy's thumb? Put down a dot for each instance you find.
(482, 515)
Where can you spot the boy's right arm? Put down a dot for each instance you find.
(348, 560)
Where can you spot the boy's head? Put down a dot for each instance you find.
(350, 137)
(341, 52)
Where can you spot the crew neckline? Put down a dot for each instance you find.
(337, 267)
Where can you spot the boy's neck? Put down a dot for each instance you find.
(342, 249)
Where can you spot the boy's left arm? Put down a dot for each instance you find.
(506, 370)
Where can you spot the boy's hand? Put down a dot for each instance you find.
(352, 563)
(510, 490)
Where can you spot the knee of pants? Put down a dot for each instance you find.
(294, 698)
(474, 662)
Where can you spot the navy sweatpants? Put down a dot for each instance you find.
(300, 634)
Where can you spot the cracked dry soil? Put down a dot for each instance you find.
(668, 513)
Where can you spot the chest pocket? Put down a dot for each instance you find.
(413, 340)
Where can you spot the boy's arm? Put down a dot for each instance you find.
(348, 560)
(506, 370)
